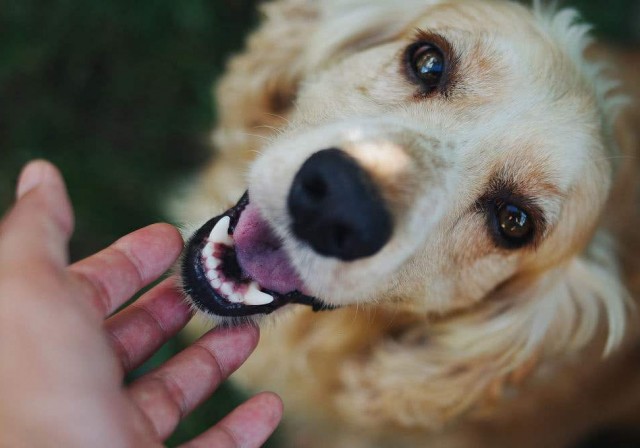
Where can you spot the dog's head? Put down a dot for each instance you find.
(440, 155)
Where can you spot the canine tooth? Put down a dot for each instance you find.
(220, 232)
(236, 297)
(212, 274)
(256, 297)
(226, 289)
(207, 252)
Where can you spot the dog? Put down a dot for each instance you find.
(435, 223)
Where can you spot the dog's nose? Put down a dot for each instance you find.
(336, 208)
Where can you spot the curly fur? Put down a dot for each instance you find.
(446, 339)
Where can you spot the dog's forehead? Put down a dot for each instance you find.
(478, 18)
(505, 36)
(518, 78)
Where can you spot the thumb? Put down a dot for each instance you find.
(41, 222)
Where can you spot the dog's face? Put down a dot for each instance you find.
(428, 167)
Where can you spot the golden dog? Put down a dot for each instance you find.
(449, 187)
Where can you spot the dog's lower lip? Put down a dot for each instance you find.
(208, 299)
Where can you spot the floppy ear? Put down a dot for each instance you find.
(260, 83)
(447, 368)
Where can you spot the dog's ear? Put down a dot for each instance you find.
(260, 83)
(590, 299)
(452, 366)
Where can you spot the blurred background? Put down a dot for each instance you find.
(117, 93)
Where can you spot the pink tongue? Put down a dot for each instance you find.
(260, 254)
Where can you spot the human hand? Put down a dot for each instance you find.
(62, 364)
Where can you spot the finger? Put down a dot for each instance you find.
(114, 274)
(139, 330)
(36, 231)
(169, 393)
(248, 426)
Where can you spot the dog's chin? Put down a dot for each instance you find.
(235, 270)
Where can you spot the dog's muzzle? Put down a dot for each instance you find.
(235, 265)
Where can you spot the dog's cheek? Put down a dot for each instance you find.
(446, 275)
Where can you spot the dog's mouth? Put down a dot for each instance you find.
(235, 266)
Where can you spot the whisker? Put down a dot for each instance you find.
(282, 117)
(264, 137)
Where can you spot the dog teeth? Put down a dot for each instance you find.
(253, 296)
(207, 252)
(226, 289)
(211, 262)
(256, 297)
(220, 233)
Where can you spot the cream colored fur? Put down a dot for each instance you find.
(443, 337)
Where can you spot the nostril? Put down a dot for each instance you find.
(315, 187)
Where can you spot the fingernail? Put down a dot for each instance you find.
(32, 175)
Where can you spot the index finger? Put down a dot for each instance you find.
(114, 274)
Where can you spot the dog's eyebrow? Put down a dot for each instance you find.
(449, 52)
(434, 38)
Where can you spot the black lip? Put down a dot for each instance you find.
(207, 299)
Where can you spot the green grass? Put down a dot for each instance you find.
(117, 94)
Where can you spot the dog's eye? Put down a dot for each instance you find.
(514, 224)
(427, 64)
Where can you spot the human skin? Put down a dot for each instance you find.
(64, 354)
